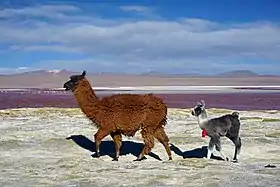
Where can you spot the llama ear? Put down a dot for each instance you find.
(84, 73)
(203, 103)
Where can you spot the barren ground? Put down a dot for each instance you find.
(53, 147)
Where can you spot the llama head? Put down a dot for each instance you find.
(74, 81)
(199, 108)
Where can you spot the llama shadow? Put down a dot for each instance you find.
(194, 153)
(108, 147)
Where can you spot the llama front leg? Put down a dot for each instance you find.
(100, 134)
(219, 149)
(210, 148)
(117, 137)
(148, 144)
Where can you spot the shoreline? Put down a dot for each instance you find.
(233, 101)
(78, 111)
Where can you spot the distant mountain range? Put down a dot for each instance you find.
(64, 72)
(238, 73)
(229, 74)
(56, 78)
(44, 73)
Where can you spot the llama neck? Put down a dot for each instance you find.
(202, 119)
(86, 98)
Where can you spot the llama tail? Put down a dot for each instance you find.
(235, 114)
(235, 117)
(163, 121)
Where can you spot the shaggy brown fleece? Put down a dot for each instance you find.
(123, 114)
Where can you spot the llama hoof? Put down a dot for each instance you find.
(140, 159)
(235, 161)
(270, 166)
(116, 159)
(226, 159)
(96, 155)
(170, 158)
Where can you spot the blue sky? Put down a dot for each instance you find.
(200, 36)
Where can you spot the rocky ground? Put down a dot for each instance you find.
(53, 147)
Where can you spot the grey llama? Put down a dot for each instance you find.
(227, 125)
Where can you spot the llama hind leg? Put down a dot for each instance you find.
(161, 136)
(117, 137)
(237, 143)
(148, 144)
(97, 138)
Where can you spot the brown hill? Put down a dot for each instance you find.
(55, 79)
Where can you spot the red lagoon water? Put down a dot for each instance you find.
(235, 101)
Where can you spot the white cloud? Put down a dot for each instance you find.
(135, 8)
(6, 71)
(45, 48)
(48, 11)
(142, 44)
(148, 12)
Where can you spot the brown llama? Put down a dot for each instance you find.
(122, 114)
